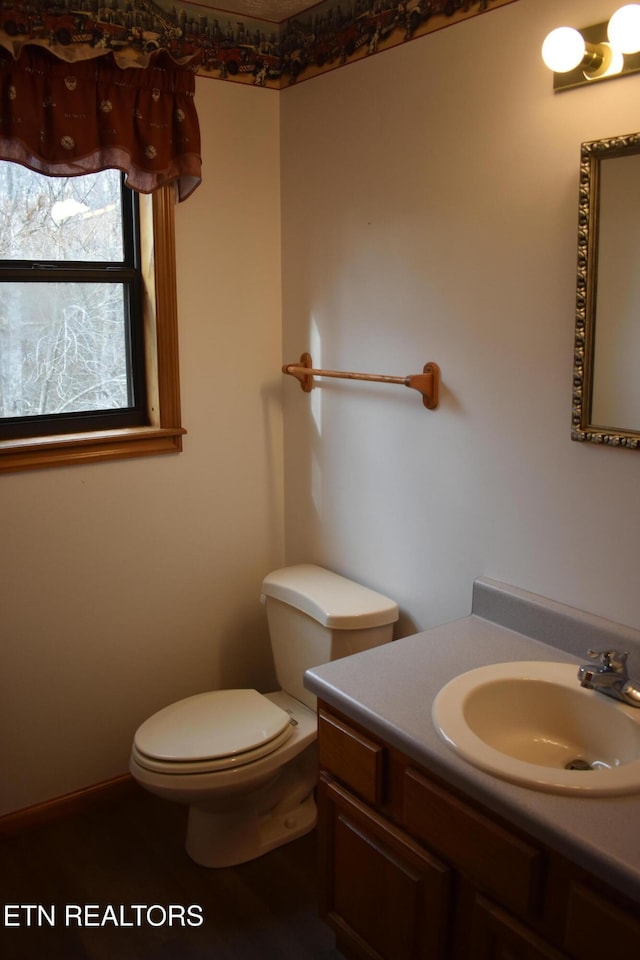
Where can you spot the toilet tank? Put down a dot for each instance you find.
(315, 616)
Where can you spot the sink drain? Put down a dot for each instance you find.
(578, 764)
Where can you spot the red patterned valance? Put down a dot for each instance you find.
(68, 119)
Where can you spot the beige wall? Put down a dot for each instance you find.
(127, 585)
(430, 201)
(429, 213)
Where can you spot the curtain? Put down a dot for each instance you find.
(66, 119)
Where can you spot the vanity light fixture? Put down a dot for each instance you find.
(605, 50)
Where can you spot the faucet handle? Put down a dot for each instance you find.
(614, 661)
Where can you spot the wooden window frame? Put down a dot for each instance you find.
(160, 320)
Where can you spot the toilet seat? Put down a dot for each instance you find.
(211, 731)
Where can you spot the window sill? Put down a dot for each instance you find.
(93, 447)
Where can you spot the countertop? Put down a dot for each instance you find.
(390, 689)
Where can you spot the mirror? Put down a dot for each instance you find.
(606, 375)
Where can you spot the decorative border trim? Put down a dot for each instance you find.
(223, 46)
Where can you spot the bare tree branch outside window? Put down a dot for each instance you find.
(63, 345)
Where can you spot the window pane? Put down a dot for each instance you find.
(63, 348)
(66, 218)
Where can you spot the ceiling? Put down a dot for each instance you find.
(276, 10)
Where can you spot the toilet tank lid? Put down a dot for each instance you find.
(332, 600)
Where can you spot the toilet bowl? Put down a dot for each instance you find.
(243, 804)
(245, 763)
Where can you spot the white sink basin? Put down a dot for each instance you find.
(532, 723)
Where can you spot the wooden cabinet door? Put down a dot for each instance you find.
(384, 896)
(495, 859)
(495, 935)
(596, 927)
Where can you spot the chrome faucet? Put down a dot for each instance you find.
(610, 676)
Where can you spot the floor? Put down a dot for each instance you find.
(96, 867)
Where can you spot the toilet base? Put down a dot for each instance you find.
(225, 831)
(226, 839)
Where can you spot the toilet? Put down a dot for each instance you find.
(245, 763)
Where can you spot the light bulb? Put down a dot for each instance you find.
(624, 29)
(563, 49)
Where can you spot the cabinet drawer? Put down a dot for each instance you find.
(351, 757)
(597, 928)
(495, 860)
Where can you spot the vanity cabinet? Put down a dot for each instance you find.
(411, 870)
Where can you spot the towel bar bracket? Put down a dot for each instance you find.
(299, 372)
(427, 383)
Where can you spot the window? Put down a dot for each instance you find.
(88, 339)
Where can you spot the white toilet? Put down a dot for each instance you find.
(245, 762)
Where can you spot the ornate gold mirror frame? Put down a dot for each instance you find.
(590, 264)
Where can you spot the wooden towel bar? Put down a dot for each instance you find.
(427, 383)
